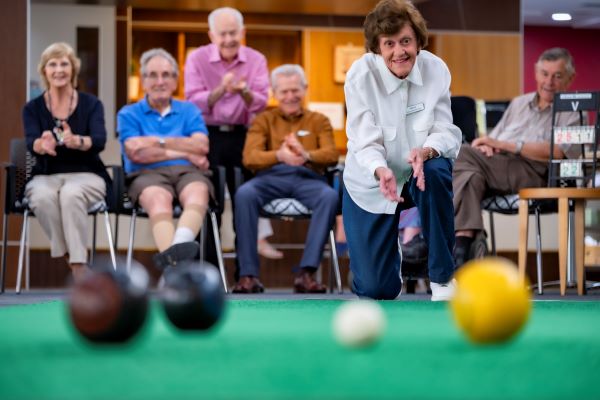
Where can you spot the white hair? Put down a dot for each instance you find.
(215, 13)
(158, 52)
(288, 70)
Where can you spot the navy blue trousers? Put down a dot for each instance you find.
(373, 238)
(300, 183)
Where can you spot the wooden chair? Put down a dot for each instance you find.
(580, 171)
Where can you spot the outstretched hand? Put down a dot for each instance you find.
(415, 159)
(387, 184)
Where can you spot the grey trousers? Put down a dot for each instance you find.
(60, 203)
(476, 176)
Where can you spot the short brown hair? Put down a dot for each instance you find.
(59, 50)
(388, 17)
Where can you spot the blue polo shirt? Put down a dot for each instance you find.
(139, 119)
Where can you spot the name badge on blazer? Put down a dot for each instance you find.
(301, 133)
(415, 108)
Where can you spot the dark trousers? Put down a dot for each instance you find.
(373, 238)
(280, 181)
(226, 150)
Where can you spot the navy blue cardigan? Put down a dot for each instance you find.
(86, 120)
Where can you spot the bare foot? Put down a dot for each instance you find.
(266, 250)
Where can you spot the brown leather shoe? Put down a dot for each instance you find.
(305, 283)
(248, 284)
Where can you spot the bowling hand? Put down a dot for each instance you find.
(415, 159)
(387, 184)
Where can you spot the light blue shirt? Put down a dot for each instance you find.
(139, 119)
(388, 117)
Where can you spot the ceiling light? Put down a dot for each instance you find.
(561, 17)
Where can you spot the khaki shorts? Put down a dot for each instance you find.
(173, 179)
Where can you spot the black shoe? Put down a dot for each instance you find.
(479, 248)
(415, 251)
(461, 255)
(176, 253)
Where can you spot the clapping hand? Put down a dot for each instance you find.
(48, 143)
(69, 139)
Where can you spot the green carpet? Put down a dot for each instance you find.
(285, 350)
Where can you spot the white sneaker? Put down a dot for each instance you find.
(443, 291)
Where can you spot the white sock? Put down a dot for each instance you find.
(182, 235)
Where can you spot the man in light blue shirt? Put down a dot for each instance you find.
(165, 146)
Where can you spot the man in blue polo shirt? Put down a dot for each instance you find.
(165, 146)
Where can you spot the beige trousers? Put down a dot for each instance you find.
(476, 176)
(60, 203)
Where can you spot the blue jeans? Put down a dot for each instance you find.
(300, 183)
(373, 238)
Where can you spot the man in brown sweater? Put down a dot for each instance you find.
(288, 148)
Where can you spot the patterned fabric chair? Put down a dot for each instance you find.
(289, 209)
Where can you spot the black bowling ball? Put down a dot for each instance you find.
(193, 297)
(109, 306)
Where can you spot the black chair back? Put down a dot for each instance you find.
(464, 115)
(18, 174)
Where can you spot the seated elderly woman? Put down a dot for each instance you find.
(65, 131)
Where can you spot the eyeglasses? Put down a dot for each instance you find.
(153, 76)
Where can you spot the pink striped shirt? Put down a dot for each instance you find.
(204, 70)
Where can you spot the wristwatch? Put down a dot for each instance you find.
(519, 147)
(245, 90)
(161, 142)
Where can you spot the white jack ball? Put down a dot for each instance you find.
(358, 323)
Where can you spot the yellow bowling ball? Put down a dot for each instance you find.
(491, 304)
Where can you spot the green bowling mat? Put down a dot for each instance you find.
(285, 350)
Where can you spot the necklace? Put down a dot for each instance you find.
(57, 130)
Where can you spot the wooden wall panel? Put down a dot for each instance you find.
(484, 66)
(318, 50)
(13, 81)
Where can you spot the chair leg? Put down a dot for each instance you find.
(203, 239)
(111, 247)
(215, 227)
(492, 233)
(27, 255)
(116, 240)
(538, 251)
(21, 252)
(4, 251)
(130, 242)
(93, 252)
(334, 262)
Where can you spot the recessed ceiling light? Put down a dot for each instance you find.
(561, 17)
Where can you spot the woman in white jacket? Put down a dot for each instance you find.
(401, 147)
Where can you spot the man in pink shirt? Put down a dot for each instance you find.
(229, 82)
